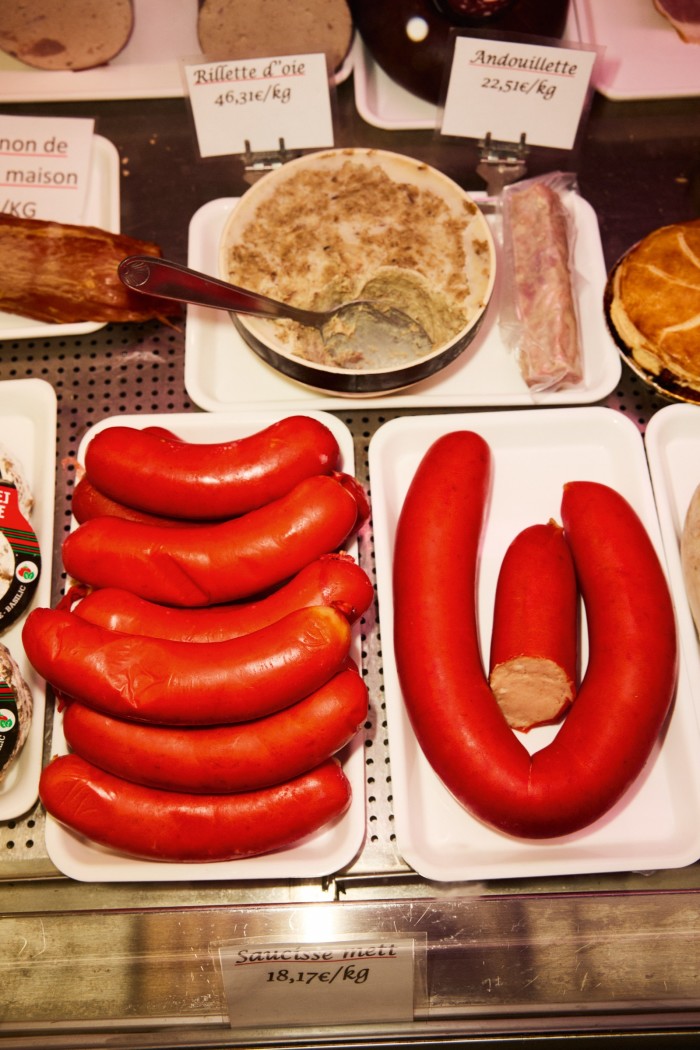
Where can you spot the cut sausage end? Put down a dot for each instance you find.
(531, 691)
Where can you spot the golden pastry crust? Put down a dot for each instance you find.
(655, 306)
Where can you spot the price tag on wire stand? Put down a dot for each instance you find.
(260, 102)
(510, 89)
(322, 983)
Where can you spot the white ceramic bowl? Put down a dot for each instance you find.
(263, 335)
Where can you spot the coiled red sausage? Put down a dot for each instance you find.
(223, 759)
(209, 564)
(150, 824)
(157, 680)
(629, 682)
(150, 471)
(334, 579)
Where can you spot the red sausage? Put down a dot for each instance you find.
(88, 502)
(151, 824)
(207, 564)
(334, 579)
(223, 759)
(157, 680)
(629, 683)
(148, 470)
(534, 642)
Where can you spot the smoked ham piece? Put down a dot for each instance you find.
(684, 16)
(64, 274)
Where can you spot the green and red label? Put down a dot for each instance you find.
(20, 557)
(9, 722)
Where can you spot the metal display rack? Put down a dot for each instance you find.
(537, 960)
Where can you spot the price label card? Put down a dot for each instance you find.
(260, 102)
(298, 983)
(512, 89)
(45, 167)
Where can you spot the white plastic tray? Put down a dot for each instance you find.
(28, 432)
(318, 855)
(643, 55)
(672, 442)
(164, 34)
(102, 210)
(222, 372)
(657, 823)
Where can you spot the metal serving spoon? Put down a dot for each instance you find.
(371, 335)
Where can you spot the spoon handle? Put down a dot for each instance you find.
(170, 280)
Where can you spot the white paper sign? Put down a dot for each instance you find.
(261, 101)
(45, 167)
(292, 983)
(510, 89)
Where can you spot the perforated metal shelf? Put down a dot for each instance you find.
(139, 369)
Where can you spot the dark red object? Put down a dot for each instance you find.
(420, 65)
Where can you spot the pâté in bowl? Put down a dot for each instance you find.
(344, 224)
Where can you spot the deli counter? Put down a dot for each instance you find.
(593, 949)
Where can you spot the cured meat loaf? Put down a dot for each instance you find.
(61, 273)
(72, 34)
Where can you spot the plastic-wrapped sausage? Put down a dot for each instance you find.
(539, 318)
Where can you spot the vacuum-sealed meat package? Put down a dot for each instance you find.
(539, 316)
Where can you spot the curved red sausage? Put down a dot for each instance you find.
(334, 579)
(534, 641)
(151, 824)
(148, 470)
(629, 683)
(88, 502)
(208, 564)
(186, 683)
(223, 759)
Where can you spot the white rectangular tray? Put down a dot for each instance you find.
(28, 432)
(642, 54)
(657, 823)
(672, 441)
(318, 855)
(101, 210)
(222, 372)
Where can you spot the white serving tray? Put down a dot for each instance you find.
(28, 432)
(164, 34)
(642, 54)
(318, 855)
(657, 823)
(672, 441)
(101, 210)
(222, 372)
(382, 102)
